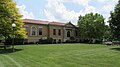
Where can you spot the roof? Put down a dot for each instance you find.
(57, 23)
(43, 22)
(35, 21)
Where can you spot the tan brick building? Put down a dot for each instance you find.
(60, 32)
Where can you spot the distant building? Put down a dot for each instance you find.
(60, 32)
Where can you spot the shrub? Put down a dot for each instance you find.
(17, 41)
(26, 41)
(71, 41)
(0, 41)
(46, 41)
(72, 38)
(31, 43)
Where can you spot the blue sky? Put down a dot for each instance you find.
(63, 10)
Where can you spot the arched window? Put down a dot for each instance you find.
(34, 30)
(68, 33)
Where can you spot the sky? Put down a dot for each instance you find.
(64, 10)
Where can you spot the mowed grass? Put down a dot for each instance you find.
(61, 55)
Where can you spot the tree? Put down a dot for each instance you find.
(108, 33)
(91, 26)
(114, 21)
(9, 14)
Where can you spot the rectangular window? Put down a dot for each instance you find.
(54, 31)
(59, 31)
(40, 31)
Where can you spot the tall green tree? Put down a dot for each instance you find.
(9, 14)
(114, 21)
(108, 33)
(91, 26)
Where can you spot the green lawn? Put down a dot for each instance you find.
(61, 55)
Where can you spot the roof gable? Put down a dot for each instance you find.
(69, 24)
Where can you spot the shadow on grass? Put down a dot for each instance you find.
(117, 49)
(6, 51)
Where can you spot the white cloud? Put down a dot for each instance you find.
(88, 9)
(108, 5)
(26, 14)
(56, 11)
(80, 2)
(107, 1)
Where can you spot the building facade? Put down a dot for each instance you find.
(60, 32)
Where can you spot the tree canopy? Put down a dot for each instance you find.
(10, 14)
(114, 21)
(91, 26)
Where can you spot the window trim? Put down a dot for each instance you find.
(39, 30)
(32, 31)
(54, 31)
(59, 32)
(69, 33)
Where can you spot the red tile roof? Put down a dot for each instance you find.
(43, 22)
(57, 23)
(35, 21)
